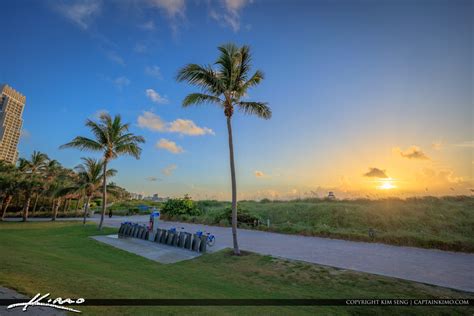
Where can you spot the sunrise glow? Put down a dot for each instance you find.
(386, 184)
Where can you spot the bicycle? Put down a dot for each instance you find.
(210, 240)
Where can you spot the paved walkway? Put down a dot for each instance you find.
(442, 268)
(151, 250)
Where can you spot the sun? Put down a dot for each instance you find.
(386, 184)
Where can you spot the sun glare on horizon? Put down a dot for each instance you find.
(387, 184)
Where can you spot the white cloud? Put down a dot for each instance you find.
(259, 174)
(153, 71)
(168, 170)
(155, 96)
(80, 12)
(231, 13)
(413, 152)
(113, 56)
(169, 145)
(172, 8)
(149, 26)
(188, 127)
(140, 47)
(153, 122)
(121, 82)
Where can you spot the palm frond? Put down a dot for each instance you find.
(200, 98)
(257, 77)
(256, 108)
(83, 143)
(202, 76)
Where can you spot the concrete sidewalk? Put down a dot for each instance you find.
(436, 267)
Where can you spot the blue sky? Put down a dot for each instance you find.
(353, 85)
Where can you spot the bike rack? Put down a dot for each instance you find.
(182, 239)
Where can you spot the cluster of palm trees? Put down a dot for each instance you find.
(44, 182)
(43, 178)
(225, 85)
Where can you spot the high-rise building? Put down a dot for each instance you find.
(11, 109)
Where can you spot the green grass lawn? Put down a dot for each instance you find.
(60, 258)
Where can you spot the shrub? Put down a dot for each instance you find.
(180, 206)
(243, 217)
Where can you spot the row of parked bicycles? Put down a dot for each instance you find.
(210, 240)
(176, 237)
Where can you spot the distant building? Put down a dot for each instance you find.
(331, 196)
(12, 104)
(136, 196)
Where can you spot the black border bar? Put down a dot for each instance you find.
(263, 302)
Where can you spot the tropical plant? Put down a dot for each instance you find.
(112, 138)
(225, 86)
(9, 185)
(90, 179)
(62, 189)
(32, 170)
(180, 206)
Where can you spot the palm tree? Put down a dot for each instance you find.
(51, 172)
(61, 187)
(112, 139)
(9, 185)
(32, 170)
(225, 86)
(90, 178)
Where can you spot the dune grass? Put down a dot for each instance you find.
(428, 222)
(60, 258)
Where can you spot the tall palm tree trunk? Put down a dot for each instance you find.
(104, 195)
(234, 188)
(35, 204)
(86, 209)
(26, 208)
(78, 202)
(68, 205)
(56, 209)
(6, 204)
